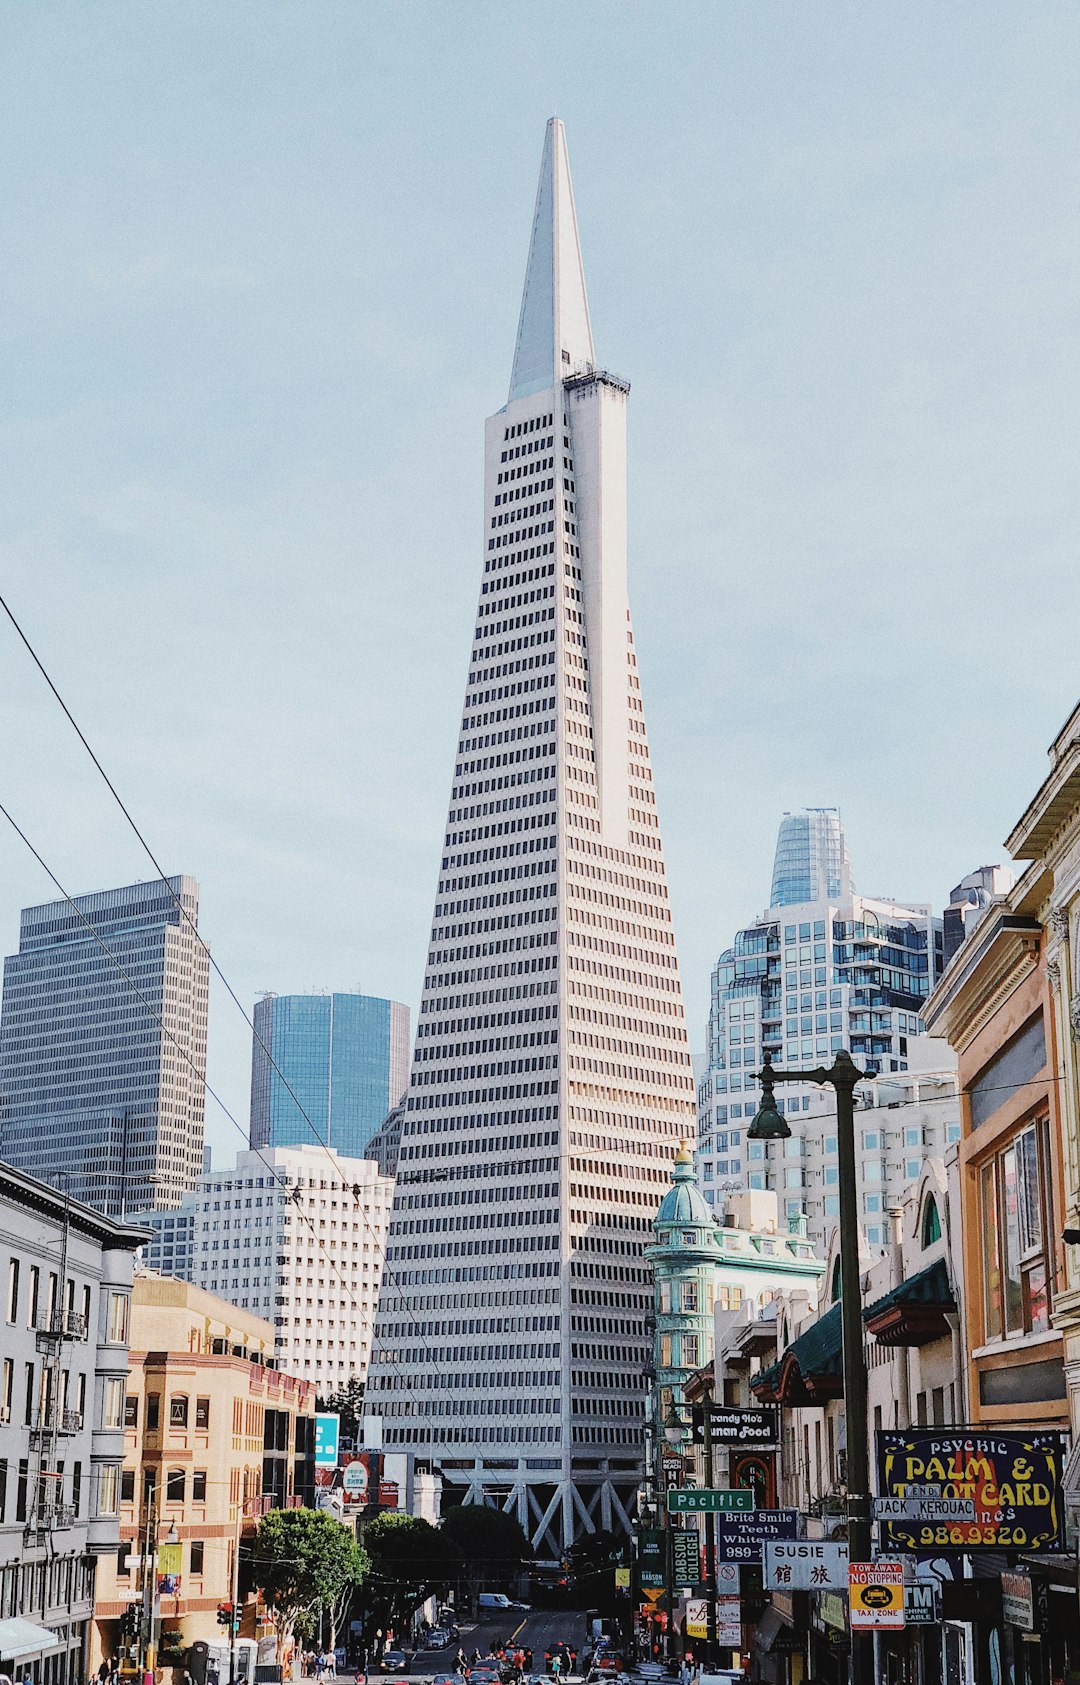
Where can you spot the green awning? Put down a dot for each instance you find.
(914, 1313)
(811, 1369)
(930, 1287)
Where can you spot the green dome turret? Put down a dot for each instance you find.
(684, 1202)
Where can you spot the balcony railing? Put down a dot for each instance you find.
(64, 1325)
(55, 1420)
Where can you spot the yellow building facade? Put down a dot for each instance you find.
(1049, 833)
(215, 1436)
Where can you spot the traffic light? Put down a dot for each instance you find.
(225, 1614)
(130, 1621)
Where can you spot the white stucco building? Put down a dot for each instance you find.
(297, 1234)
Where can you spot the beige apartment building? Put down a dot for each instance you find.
(215, 1435)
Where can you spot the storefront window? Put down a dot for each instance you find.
(1014, 1222)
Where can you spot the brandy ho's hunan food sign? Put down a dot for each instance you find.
(970, 1489)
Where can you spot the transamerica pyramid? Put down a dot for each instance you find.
(551, 1078)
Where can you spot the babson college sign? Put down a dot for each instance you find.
(970, 1489)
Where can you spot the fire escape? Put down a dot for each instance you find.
(58, 1324)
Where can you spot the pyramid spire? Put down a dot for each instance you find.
(554, 336)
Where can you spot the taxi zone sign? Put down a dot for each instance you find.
(877, 1595)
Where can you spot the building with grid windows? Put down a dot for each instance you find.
(344, 1058)
(551, 1078)
(296, 1234)
(103, 1046)
(66, 1274)
(805, 979)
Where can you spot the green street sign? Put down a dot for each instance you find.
(708, 1500)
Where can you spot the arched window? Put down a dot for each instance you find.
(834, 1291)
(931, 1222)
(175, 1483)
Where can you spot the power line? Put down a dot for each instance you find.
(201, 1075)
(186, 916)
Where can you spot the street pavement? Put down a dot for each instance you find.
(536, 1631)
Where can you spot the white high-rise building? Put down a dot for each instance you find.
(297, 1234)
(551, 1076)
(808, 977)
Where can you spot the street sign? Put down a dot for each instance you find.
(739, 1538)
(1018, 1601)
(921, 1603)
(354, 1480)
(1012, 1477)
(708, 1500)
(652, 1559)
(729, 1622)
(672, 1469)
(924, 1509)
(804, 1564)
(697, 1617)
(743, 1428)
(876, 1595)
(685, 1557)
(327, 1428)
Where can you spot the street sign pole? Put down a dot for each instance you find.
(710, 1550)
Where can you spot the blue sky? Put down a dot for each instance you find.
(263, 265)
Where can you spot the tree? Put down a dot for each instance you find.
(303, 1560)
(348, 1403)
(492, 1545)
(410, 1560)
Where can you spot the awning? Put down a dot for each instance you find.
(768, 1631)
(23, 1638)
(914, 1312)
(810, 1370)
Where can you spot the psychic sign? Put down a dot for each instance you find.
(1010, 1480)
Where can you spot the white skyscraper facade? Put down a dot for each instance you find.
(805, 979)
(298, 1235)
(551, 1076)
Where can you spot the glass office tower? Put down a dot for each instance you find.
(812, 861)
(809, 976)
(103, 1046)
(345, 1058)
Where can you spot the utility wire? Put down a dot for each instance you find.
(186, 916)
(278, 1180)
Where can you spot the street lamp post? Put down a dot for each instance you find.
(673, 1433)
(769, 1125)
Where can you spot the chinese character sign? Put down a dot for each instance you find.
(1012, 1479)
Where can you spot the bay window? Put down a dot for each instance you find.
(1015, 1221)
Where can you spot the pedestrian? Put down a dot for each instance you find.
(320, 1665)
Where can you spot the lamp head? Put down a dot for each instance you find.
(767, 1124)
(673, 1427)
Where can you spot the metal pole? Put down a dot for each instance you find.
(843, 1077)
(710, 1542)
(769, 1125)
(235, 1590)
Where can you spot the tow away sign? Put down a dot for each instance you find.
(877, 1595)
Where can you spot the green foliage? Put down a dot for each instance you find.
(491, 1543)
(348, 1404)
(303, 1560)
(410, 1559)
